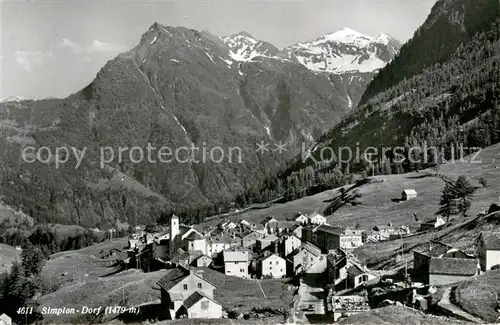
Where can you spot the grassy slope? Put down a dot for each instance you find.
(243, 295)
(397, 315)
(79, 264)
(376, 205)
(479, 296)
(8, 255)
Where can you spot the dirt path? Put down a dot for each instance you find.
(446, 304)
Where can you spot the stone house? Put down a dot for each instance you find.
(5, 320)
(356, 276)
(236, 263)
(181, 289)
(271, 265)
(270, 224)
(203, 261)
(328, 238)
(488, 250)
(288, 244)
(301, 219)
(302, 258)
(408, 194)
(316, 219)
(336, 266)
(423, 255)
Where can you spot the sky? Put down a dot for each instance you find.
(52, 48)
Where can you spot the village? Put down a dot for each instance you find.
(314, 256)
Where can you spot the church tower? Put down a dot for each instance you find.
(174, 231)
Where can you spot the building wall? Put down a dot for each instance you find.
(441, 279)
(197, 245)
(290, 244)
(326, 241)
(492, 259)
(272, 266)
(318, 220)
(214, 248)
(203, 261)
(239, 269)
(349, 242)
(205, 308)
(192, 283)
(160, 251)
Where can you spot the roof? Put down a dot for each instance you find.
(491, 240)
(311, 248)
(268, 219)
(173, 278)
(265, 257)
(235, 256)
(433, 248)
(194, 298)
(355, 270)
(410, 192)
(453, 266)
(203, 255)
(194, 236)
(332, 230)
(316, 214)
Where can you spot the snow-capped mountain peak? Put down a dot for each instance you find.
(10, 99)
(346, 50)
(245, 47)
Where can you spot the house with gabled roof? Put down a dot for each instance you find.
(287, 244)
(5, 320)
(270, 224)
(180, 291)
(303, 258)
(198, 305)
(301, 219)
(336, 266)
(447, 270)
(408, 194)
(316, 218)
(357, 276)
(423, 255)
(328, 237)
(236, 262)
(488, 249)
(270, 265)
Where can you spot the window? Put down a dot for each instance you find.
(242, 270)
(270, 262)
(199, 285)
(277, 262)
(204, 305)
(185, 287)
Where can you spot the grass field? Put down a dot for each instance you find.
(128, 288)
(8, 255)
(397, 315)
(243, 295)
(70, 267)
(479, 296)
(377, 206)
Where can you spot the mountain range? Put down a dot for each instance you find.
(179, 88)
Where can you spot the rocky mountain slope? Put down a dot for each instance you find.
(451, 103)
(178, 88)
(347, 58)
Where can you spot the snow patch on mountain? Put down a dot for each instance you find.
(11, 99)
(346, 51)
(244, 47)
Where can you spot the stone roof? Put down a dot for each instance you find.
(433, 248)
(491, 240)
(194, 298)
(410, 192)
(194, 236)
(267, 219)
(332, 230)
(354, 270)
(173, 278)
(453, 266)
